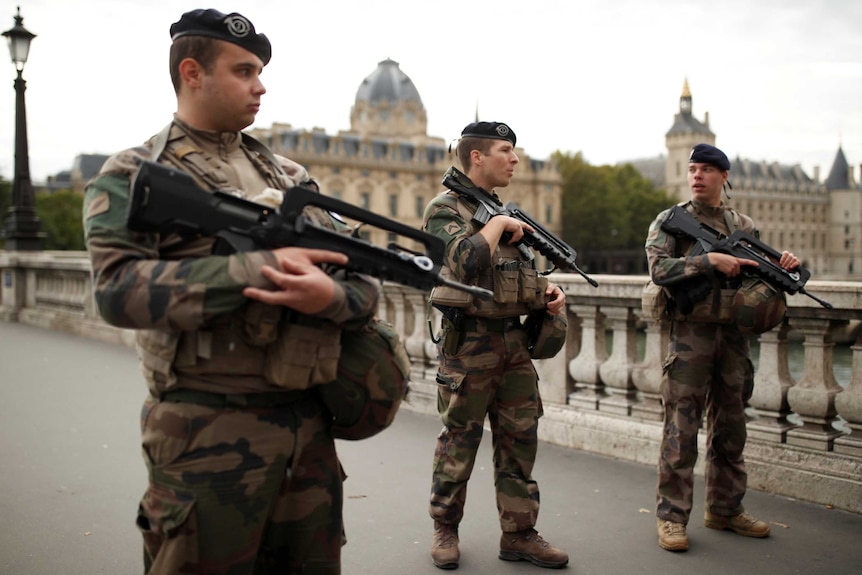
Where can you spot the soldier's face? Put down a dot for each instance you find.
(497, 167)
(706, 182)
(231, 92)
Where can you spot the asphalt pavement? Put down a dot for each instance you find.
(71, 477)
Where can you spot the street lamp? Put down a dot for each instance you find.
(21, 228)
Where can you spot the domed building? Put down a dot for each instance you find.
(387, 163)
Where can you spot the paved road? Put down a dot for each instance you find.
(72, 475)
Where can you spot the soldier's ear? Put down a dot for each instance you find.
(191, 72)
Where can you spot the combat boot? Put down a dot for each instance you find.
(444, 549)
(528, 545)
(671, 535)
(744, 524)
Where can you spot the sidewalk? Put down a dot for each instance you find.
(72, 476)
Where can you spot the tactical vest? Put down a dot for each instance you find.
(717, 307)
(515, 282)
(258, 347)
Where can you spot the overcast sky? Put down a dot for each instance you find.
(781, 79)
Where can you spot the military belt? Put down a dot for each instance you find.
(495, 324)
(233, 400)
(297, 318)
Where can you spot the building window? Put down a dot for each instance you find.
(420, 206)
(336, 170)
(335, 194)
(393, 205)
(393, 175)
(364, 173)
(365, 201)
(393, 238)
(549, 214)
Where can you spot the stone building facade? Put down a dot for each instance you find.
(387, 163)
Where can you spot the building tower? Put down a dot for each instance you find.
(685, 133)
(845, 218)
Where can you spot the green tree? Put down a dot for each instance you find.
(607, 207)
(60, 213)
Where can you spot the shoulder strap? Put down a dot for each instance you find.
(160, 142)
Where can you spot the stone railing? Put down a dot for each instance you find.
(805, 434)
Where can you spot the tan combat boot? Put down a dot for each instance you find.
(528, 545)
(444, 549)
(744, 524)
(671, 535)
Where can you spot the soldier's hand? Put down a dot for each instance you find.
(556, 299)
(728, 265)
(299, 283)
(788, 261)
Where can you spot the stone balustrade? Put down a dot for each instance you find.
(805, 434)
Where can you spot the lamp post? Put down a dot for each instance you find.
(21, 227)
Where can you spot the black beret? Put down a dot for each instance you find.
(706, 154)
(232, 27)
(493, 130)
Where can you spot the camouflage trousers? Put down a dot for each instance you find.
(707, 370)
(240, 490)
(491, 374)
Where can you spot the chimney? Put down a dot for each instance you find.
(816, 174)
(706, 119)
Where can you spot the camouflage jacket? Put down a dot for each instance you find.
(667, 256)
(468, 259)
(172, 284)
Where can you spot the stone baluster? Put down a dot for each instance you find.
(584, 369)
(813, 398)
(647, 375)
(616, 372)
(848, 403)
(415, 340)
(771, 383)
(554, 383)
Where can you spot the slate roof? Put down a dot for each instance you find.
(387, 83)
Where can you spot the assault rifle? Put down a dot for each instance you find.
(541, 240)
(740, 244)
(164, 199)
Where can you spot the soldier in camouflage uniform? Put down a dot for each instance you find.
(243, 473)
(707, 367)
(485, 365)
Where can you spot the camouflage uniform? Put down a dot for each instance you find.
(487, 370)
(243, 473)
(707, 367)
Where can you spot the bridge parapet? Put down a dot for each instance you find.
(805, 433)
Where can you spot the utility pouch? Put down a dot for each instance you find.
(527, 284)
(541, 286)
(443, 295)
(506, 285)
(303, 355)
(654, 302)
